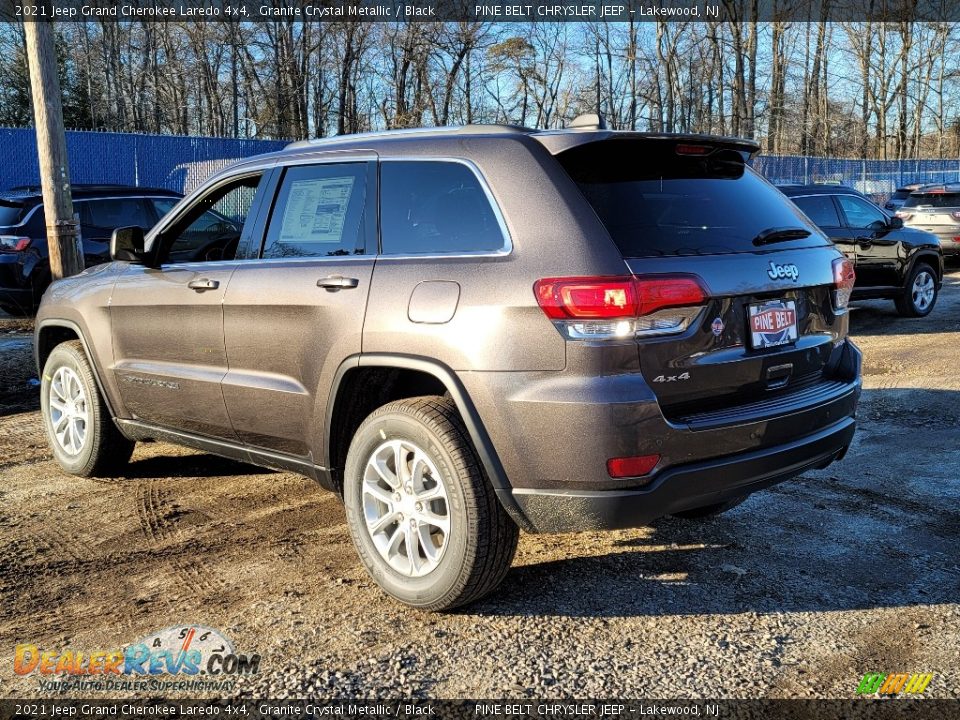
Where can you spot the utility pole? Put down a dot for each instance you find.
(62, 238)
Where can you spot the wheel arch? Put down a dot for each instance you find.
(55, 331)
(427, 377)
(929, 257)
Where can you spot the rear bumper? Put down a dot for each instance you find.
(683, 487)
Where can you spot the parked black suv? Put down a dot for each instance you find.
(467, 331)
(24, 260)
(892, 261)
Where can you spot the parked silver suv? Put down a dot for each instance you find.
(464, 332)
(936, 209)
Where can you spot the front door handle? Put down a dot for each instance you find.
(203, 284)
(332, 283)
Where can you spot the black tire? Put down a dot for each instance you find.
(909, 303)
(103, 449)
(709, 511)
(482, 539)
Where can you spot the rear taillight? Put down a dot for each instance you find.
(621, 306)
(844, 277)
(14, 243)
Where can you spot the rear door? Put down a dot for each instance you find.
(295, 313)
(767, 324)
(825, 214)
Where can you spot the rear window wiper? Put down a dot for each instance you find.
(780, 234)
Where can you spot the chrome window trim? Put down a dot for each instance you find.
(503, 251)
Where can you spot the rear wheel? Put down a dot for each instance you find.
(709, 511)
(422, 515)
(920, 293)
(79, 428)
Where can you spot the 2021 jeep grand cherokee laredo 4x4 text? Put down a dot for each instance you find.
(468, 331)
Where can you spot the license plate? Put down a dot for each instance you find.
(773, 323)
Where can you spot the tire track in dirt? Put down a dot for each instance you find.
(154, 513)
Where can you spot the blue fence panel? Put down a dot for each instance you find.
(167, 161)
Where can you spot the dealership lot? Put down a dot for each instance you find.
(798, 592)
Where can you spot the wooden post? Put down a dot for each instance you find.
(63, 242)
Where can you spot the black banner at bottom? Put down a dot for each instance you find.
(863, 709)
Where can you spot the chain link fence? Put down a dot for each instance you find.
(182, 163)
(160, 161)
(875, 178)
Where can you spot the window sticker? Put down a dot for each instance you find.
(316, 210)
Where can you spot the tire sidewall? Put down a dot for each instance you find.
(67, 357)
(445, 578)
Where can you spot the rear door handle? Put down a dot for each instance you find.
(337, 282)
(203, 284)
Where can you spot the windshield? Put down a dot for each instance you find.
(655, 202)
(934, 200)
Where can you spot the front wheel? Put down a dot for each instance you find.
(79, 428)
(422, 515)
(920, 292)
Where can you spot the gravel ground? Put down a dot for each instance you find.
(796, 593)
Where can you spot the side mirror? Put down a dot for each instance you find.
(126, 243)
(895, 223)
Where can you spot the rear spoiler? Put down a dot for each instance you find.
(558, 141)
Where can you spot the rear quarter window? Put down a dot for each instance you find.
(435, 207)
(10, 214)
(819, 208)
(654, 202)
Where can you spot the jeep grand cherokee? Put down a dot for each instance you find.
(469, 331)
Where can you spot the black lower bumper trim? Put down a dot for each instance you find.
(683, 488)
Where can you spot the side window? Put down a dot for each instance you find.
(319, 212)
(861, 214)
(164, 205)
(820, 209)
(102, 217)
(211, 228)
(435, 207)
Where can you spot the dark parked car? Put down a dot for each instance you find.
(936, 209)
(24, 260)
(899, 197)
(463, 332)
(892, 261)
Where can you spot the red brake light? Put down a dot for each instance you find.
(844, 277)
(699, 150)
(625, 467)
(615, 297)
(600, 297)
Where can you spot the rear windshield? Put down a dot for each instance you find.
(655, 202)
(10, 213)
(934, 200)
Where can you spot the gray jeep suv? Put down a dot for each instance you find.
(469, 331)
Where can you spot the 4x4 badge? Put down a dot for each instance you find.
(779, 272)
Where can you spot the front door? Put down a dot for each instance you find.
(169, 356)
(292, 316)
(878, 258)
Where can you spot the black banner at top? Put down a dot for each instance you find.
(612, 11)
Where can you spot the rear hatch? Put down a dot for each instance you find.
(935, 210)
(12, 235)
(767, 324)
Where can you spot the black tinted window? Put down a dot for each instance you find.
(319, 212)
(10, 214)
(655, 202)
(435, 207)
(934, 200)
(820, 209)
(108, 215)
